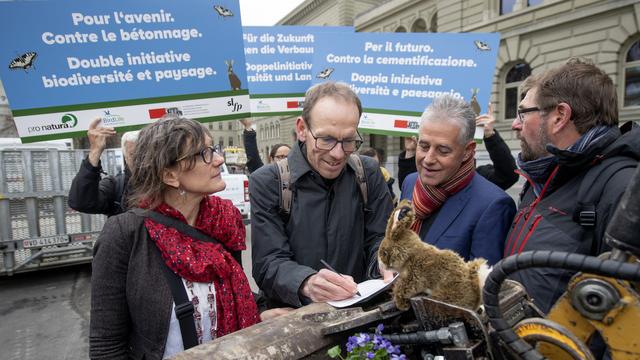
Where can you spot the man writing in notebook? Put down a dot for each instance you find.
(329, 217)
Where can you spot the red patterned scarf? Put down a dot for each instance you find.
(427, 199)
(199, 261)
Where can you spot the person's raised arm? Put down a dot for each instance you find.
(502, 173)
(88, 192)
(251, 146)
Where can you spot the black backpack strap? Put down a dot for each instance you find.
(591, 189)
(361, 178)
(183, 307)
(190, 231)
(284, 177)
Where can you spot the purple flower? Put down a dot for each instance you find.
(379, 329)
(370, 355)
(362, 339)
(398, 357)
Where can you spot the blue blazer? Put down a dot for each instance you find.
(474, 222)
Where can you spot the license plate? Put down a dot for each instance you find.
(46, 241)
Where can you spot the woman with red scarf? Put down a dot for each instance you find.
(132, 309)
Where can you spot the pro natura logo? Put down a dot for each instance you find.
(67, 121)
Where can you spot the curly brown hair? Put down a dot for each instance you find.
(159, 146)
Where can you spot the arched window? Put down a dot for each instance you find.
(401, 29)
(230, 140)
(419, 26)
(512, 81)
(221, 142)
(272, 131)
(230, 126)
(631, 69)
(433, 24)
(220, 125)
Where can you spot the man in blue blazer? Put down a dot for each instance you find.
(455, 208)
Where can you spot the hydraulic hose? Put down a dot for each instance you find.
(547, 259)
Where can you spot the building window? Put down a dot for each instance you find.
(419, 26)
(230, 140)
(512, 96)
(230, 126)
(631, 69)
(221, 142)
(509, 6)
(220, 126)
(401, 29)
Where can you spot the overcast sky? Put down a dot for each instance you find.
(265, 13)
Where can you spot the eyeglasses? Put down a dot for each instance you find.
(521, 112)
(206, 154)
(329, 142)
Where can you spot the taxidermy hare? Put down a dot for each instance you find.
(424, 269)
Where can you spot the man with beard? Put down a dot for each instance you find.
(570, 141)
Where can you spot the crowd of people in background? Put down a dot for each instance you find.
(320, 200)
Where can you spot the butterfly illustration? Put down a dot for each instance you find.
(24, 61)
(224, 12)
(482, 45)
(324, 74)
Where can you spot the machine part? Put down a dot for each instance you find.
(618, 327)
(454, 334)
(550, 259)
(552, 340)
(594, 298)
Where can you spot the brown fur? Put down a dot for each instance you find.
(424, 269)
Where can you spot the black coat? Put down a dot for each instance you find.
(92, 195)
(502, 171)
(251, 147)
(327, 221)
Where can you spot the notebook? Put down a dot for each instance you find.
(367, 289)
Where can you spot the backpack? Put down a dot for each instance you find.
(586, 210)
(286, 195)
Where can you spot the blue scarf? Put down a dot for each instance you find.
(538, 170)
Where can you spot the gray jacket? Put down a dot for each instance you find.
(326, 222)
(130, 299)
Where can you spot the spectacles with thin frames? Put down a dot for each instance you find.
(523, 111)
(328, 142)
(206, 154)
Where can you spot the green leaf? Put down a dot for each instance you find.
(334, 351)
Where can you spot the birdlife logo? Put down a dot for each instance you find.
(67, 121)
(110, 119)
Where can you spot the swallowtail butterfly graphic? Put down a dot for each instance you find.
(324, 74)
(224, 12)
(24, 61)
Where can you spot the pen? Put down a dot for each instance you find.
(334, 270)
